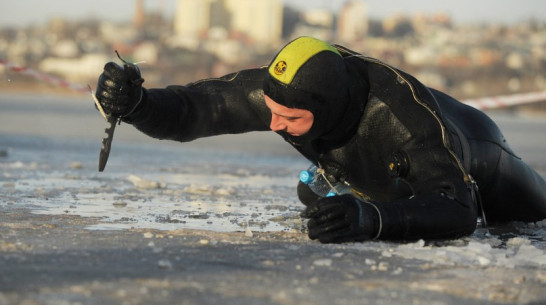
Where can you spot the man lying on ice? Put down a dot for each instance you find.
(419, 163)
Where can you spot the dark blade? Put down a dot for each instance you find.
(107, 142)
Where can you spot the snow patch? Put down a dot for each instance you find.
(519, 252)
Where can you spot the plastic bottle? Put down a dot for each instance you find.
(340, 189)
(318, 184)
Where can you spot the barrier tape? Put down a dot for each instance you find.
(478, 103)
(506, 100)
(55, 81)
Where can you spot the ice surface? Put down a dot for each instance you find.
(517, 252)
(216, 192)
(227, 197)
(236, 184)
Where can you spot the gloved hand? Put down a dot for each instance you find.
(119, 89)
(306, 195)
(340, 219)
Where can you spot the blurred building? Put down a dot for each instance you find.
(352, 22)
(139, 15)
(257, 21)
(318, 23)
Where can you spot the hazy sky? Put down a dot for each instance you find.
(22, 12)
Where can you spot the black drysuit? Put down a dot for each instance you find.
(415, 152)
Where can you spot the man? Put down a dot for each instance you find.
(413, 156)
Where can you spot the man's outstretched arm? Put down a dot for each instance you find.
(230, 104)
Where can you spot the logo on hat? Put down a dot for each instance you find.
(280, 67)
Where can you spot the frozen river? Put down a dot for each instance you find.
(223, 183)
(49, 149)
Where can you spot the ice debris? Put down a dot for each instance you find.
(519, 252)
(119, 204)
(248, 232)
(164, 264)
(141, 183)
(325, 262)
(76, 165)
(204, 189)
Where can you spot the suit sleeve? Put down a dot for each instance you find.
(431, 216)
(227, 105)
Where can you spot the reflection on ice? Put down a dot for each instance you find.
(218, 203)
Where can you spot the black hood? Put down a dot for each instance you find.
(319, 82)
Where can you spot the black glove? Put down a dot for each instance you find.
(119, 89)
(306, 195)
(340, 219)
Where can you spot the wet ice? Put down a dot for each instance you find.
(518, 252)
(246, 187)
(195, 198)
(235, 202)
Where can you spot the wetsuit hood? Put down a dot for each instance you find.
(311, 74)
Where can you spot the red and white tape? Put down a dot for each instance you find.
(506, 100)
(55, 81)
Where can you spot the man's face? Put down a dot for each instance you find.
(293, 121)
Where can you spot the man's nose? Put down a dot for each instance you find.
(276, 123)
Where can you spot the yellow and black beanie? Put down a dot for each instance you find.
(310, 74)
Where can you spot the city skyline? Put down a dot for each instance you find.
(26, 12)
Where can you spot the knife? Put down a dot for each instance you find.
(107, 142)
(109, 132)
(134, 73)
